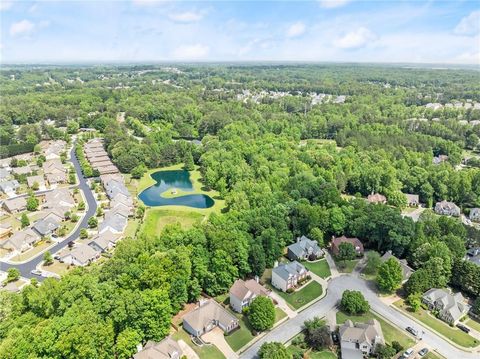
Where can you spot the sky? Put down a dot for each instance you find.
(166, 31)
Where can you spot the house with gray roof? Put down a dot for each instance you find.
(25, 170)
(406, 269)
(81, 255)
(287, 276)
(39, 180)
(447, 208)
(208, 315)
(21, 240)
(15, 205)
(114, 222)
(451, 307)
(360, 340)
(165, 349)
(474, 215)
(114, 187)
(45, 227)
(104, 241)
(303, 249)
(9, 187)
(242, 293)
(4, 174)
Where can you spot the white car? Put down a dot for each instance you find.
(407, 353)
(36, 272)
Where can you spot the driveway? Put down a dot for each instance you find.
(26, 267)
(285, 331)
(217, 338)
(282, 304)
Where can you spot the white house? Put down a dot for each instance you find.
(286, 276)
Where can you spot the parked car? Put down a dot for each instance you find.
(407, 354)
(423, 352)
(412, 331)
(335, 337)
(36, 272)
(463, 328)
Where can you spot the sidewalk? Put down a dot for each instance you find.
(283, 305)
(332, 265)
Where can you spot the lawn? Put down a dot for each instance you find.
(346, 266)
(156, 219)
(303, 296)
(204, 352)
(432, 355)
(473, 323)
(452, 333)
(240, 337)
(42, 245)
(320, 268)
(322, 355)
(57, 267)
(390, 332)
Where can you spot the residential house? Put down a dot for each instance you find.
(19, 171)
(38, 180)
(15, 205)
(104, 241)
(59, 199)
(376, 198)
(9, 187)
(475, 215)
(413, 200)
(4, 174)
(81, 255)
(360, 340)
(207, 316)
(451, 307)
(6, 231)
(114, 222)
(166, 349)
(473, 255)
(447, 208)
(242, 293)
(336, 241)
(123, 210)
(114, 187)
(55, 172)
(303, 249)
(53, 149)
(287, 276)
(45, 227)
(21, 240)
(121, 199)
(439, 159)
(406, 269)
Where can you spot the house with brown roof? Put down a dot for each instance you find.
(165, 349)
(6, 231)
(39, 180)
(55, 172)
(357, 244)
(376, 198)
(242, 293)
(360, 340)
(15, 205)
(104, 241)
(21, 240)
(413, 200)
(208, 315)
(59, 197)
(52, 149)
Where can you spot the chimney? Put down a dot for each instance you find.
(275, 264)
(257, 279)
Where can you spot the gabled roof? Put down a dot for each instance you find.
(302, 246)
(45, 226)
(166, 349)
(59, 197)
(82, 253)
(38, 179)
(205, 313)
(370, 332)
(9, 185)
(21, 170)
(376, 198)
(406, 269)
(288, 270)
(116, 222)
(336, 241)
(20, 238)
(246, 289)
(15, 204)
(453, 304)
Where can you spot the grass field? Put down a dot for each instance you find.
(56, 267)
(204, 352)
(474, 324)
(452, 333)
(390, 332)
(347, 266)
(156, 219)
(320, 268)
(240, 337)
(303, 296)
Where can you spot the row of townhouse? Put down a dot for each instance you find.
(98, 157)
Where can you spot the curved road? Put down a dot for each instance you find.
(26, 267)
(290, 328)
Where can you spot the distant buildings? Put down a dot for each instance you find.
(303, 249)
(439, 159)
(360, 340)
(357, 244)
(475, 215)
(447, 208)
(288, 275)
(207, 316)
(413, 200)
(242, 293)
(451, 307)
(376, 198)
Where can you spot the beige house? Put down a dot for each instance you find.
(359, 340)
(242, 293)
(15, 205)
(21, 241)
(39, 180)
(82, 255)
(376, 198)
(166, 349)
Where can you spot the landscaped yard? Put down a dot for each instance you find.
(204, 352)
(390, 332)
(303, 296)
(320, 268)
(156, 219)
(452, 333)
(57, 267)
(346, 266)
(474, 324)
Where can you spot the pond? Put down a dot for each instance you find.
(172, 180)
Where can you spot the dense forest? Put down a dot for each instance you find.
(284, 165)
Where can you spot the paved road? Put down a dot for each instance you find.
(27, 267)
(290, 328)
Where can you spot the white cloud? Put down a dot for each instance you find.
(468, 58)
(191, 52)
(5, 5)
(186, 17)
(43, 24)
(148, 2)
(469, 25)
(330, 4)
(296, 29)
(23, 27)
(355, 39)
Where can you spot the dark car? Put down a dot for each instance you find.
(412, 331)
(423, 352)
(463, 328)
(335, 337)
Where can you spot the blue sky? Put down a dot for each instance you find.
(328, 30)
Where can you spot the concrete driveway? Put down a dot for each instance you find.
(216, 337)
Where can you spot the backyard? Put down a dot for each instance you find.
(156, 219)
(299, 298)
(320, 268)
(452, 333)
(204, 352)
(390, 332)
